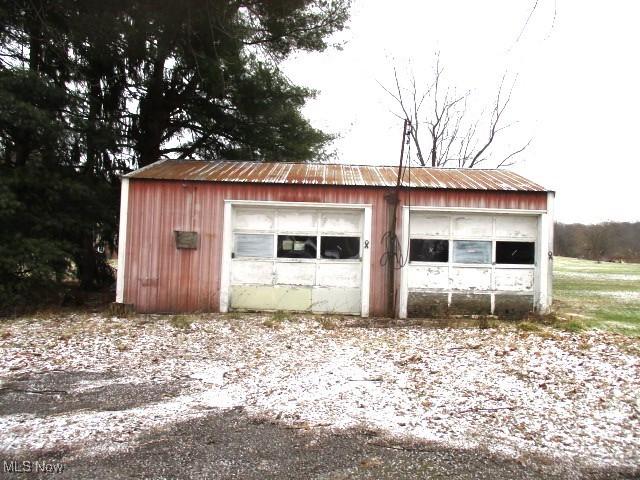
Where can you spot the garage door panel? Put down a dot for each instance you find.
(261, 281)
(293, 298)
(339, 275)
(423, 276)
(514, 279)
(251, 272)
(513, 226)
(254, 219)
(422, 224)
(472, 226)
(257, 297)
(290, 221)
(488, 268)
(336, 300)
(341, 223)
(294, 273)
(465, 278)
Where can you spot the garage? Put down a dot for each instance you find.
(305, 258)
(470, 263)
(199, 236)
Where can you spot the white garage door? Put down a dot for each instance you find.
(296, 258)
(470, 263)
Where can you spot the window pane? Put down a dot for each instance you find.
(470, 251)
(296, 246)
(253, 245)
(515, 252)
(340, 247)
(428, 250)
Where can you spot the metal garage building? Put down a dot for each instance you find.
(220, 236)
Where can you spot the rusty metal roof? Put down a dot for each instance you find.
(335, 174)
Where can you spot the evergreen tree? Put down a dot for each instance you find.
(90, 89)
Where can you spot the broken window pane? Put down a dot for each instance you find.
(340, 247)
(422, 250)
(253, 245)
(515, 252)
(471, 251)
(296, 246)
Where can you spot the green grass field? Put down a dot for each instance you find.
(602, 295)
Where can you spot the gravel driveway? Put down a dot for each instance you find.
(264, 396)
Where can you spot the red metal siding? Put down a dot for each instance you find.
(161, 278)
(475, 199)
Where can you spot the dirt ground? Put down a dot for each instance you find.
(272, 397)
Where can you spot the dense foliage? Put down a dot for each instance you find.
(91, 89)
(603, 241)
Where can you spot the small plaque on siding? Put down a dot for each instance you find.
(186, 239)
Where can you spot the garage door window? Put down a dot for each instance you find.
(520, 253)
(470, 251)
(340, 248)
(253, 245)
(423, 250)
(297, 246)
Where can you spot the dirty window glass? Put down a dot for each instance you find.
(253, 245)
(422, 250)
(522, 253)
(296, 246)
(471, 251)
(340, 247)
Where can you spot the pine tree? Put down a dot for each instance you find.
(91, 89)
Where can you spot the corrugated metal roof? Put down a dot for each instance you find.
(335, 174)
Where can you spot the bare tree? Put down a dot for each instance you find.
(532, 11)
(452, 137)
(610, 241)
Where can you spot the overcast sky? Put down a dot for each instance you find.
(577, 91)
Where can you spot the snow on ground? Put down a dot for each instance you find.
(591, 275)
(572, 397)
(622, 295)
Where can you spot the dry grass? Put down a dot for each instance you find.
(122, 346)
(181, 321)
(328, 323)
(276, 319)
(234, 315)
(528, 327)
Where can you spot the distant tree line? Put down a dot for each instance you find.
(610, 241)
(90, 89)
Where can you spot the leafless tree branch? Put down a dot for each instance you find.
(526, 23)
(446, 121)
(506, 163)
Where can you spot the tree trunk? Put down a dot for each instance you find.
(154, 117)
(95, 94)
(86, 263)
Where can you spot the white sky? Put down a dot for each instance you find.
(577, 92)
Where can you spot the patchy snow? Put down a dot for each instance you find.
(617, 294)
(572, 397)
(591, 275)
